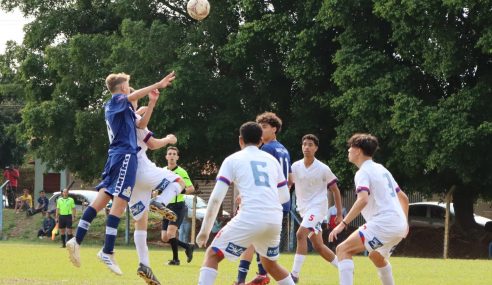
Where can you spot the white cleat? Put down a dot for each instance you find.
(74, 251)
(108, 259)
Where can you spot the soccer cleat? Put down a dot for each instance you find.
(173, 262)
(108, 259)
(73, 251)
(296, 279)
(146, 273)
(189, 252)
(260, 280)
(164, 211)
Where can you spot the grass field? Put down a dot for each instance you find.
(45, 262)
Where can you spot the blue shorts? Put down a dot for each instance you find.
(118, 177)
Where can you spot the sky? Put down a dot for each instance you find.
(11, 25)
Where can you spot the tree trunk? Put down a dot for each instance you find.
(463, 200)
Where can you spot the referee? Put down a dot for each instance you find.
(65, 214)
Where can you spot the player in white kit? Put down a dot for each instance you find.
(261, 183)
(312, 180)
(382, 204)
(149, 177)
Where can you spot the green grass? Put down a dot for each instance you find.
(44, 262)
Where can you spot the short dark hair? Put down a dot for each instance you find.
(172, 148)
(312, 138)
(270, 118)
(250, 132)
(366, 142)
(42, 191)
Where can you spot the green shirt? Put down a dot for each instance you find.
(186, 178)
(65, 205)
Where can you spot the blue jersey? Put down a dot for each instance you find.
(120, 122)
(279, 151)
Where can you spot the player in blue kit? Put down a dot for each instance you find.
(118, 177)
(271, 125)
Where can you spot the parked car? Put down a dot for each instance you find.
(433, 214)
(82, 199)
(201, 208)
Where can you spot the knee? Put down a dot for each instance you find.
(164, 237)
(300, 235)
(341, 249)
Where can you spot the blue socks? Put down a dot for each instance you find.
(84, 224)
(111, 231)
(261, 270)
(242, 271)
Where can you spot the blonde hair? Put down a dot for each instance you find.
(115, 79)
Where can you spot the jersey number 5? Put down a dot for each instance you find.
(261, 177)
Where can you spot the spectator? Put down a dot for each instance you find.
(47, 227)
(12, 175)
(42, 204)
(329, 224)
(24, 202)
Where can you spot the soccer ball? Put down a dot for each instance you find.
(198, 9)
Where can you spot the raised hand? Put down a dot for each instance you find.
(166, 81)
(154, 95)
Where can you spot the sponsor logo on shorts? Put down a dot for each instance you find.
(163, 185)
(127, 192)
(375, 243)
(272, 251)
(137, 208)
(122, 175)
(235, 249)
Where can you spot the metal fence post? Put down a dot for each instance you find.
(127, 228)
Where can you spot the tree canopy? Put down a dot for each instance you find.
(414, 73)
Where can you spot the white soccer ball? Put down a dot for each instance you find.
(198, 9)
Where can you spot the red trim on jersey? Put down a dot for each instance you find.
(147, 137)
(363, 188)
(281, 184)
(223, 179)
(334, 181)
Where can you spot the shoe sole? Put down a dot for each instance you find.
(148, 280)
(109, 268)
(71, 255)
(168, 215)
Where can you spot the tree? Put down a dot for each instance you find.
(417, 74)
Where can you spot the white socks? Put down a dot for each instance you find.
(169, 193)
(140, 239)
(286, 281)
(334, 262)
(346, 272)
(386, 275)
(296, 267)
(207, 276)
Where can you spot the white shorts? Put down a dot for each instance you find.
(312, 220)
(381, 238)
(147, 180)
(238, 235)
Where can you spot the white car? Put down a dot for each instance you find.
(82, 199)
(5, 201)
(433, 214)
(201, 207)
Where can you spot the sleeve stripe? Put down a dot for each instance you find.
(362, 188)
(147, 137)
(223, 179)
(398, 189)
(334, 181)
(281, 184)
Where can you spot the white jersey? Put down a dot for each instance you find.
(257, 175)
(311, 186)
(382, 188)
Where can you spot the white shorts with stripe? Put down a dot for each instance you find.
(238, 235)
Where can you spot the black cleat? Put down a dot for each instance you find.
(146, 273)
(189, 252)
(173, 262)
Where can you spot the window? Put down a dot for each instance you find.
(418, 211)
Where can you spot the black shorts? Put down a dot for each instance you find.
(181, 211)
(65, 221)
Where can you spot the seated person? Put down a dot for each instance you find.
(23, 202)
(42, 204)
(47, 227)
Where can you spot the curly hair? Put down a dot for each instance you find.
(270, 118)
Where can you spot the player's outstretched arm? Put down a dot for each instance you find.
(403, 198)
(216, 198)
(154, 143)
(140, 93)
(144, 121)
(283, 194)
